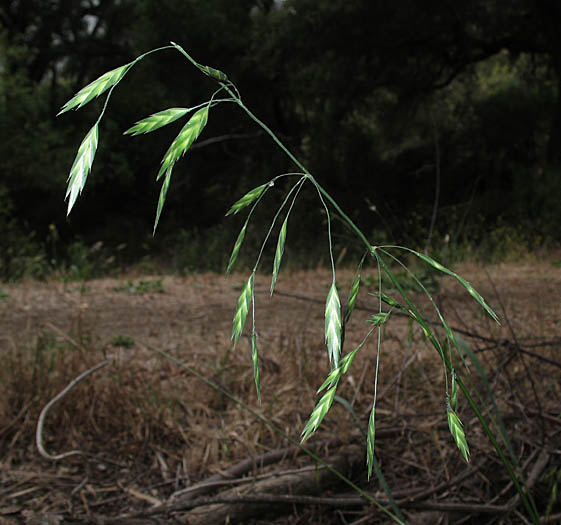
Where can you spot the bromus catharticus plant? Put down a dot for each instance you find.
(337, 314)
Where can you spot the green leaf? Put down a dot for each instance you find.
(370, 439)
(162, 198)
(157, 120)
(457, 431)
(236, 249)
(96, 88)
(81, 167)
(278, 253)
(333, 325)
(380, 318)
(319, 412)
(247, 199)
(255, 359)
(184, 140)
(242, 309)
(471, 290)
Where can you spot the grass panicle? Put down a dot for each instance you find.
(333, 325)
(278, 254)
(82, 166)
(320, 411)
(189, 133)
(242, 308)
(457, 431)
(157, 120)
(162, 199)
(236, 248)
(353, 295)
(370, 440)
(255, 361)
(247, 199)
(380, 318)
(96, 88)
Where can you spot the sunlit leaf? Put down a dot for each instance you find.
(81, 167)
(157, 120)
(96, 88)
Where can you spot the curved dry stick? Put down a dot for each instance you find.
(47, 407)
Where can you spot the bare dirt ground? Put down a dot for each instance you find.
(149, 429)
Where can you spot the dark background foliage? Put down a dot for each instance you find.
(384, 102)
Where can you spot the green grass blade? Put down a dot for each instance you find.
(184, 140)
(162, 198)
(81, 167)
(333, 325)
(236, 248)
(255, 360)
(95, 88)
(470, 289)
(242, 309)
(157, 120)
(370, 439)
(458, 434)
(278, 253)
(319, 412)
(247, 199)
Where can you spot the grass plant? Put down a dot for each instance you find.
(337, 313)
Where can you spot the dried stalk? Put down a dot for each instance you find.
(47, 407)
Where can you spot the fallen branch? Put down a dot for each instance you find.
(43, 415)
(300, 483)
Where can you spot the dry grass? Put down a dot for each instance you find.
(153, 429)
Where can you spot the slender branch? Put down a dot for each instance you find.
(58, 397)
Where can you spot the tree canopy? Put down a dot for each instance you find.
(383, 101)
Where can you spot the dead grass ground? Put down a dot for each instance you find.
(151, 428)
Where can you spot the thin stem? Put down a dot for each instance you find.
(328, 234)
(297, 187)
